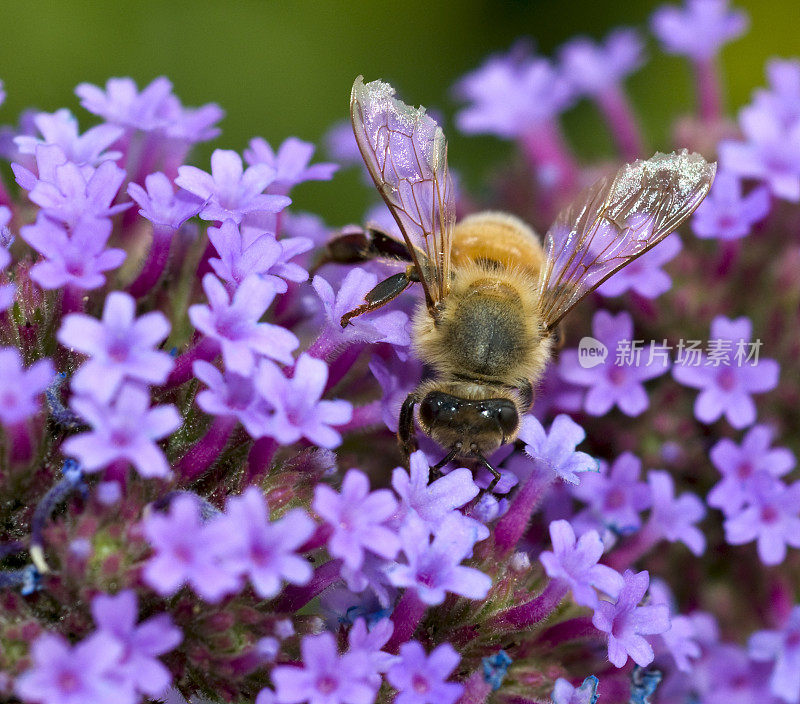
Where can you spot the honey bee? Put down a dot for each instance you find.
(494, 294)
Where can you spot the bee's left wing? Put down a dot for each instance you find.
(406, 154)
(618, 220)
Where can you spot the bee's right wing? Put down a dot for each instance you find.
(406, 154)
(618, 220)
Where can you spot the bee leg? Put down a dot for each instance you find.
(361, 245)
(387, 290)
(436, 470)
(405, 426)
(495, 473)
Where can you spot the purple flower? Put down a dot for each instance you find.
(367, 643)
(772, 519)
(160, 204)
(576, 562)
(192, 125)
(643, 275)
(556, 449)
(593, 68)
(120, 347)
(123, 104)
(126, 430)
(186, 551)
(615, 494)
(511, 94)
(155, 109)
(398, 377)
(783, 97)
(235, 323)
(388, 327)
(61, 129)
(68, 192)
(261, 550)
(674, 518)
(432, 502)
(433, 568)
(699, 29)
(770, 152)
(627, 623)
(305, 226)
(608, 382)
(291, 163)
(681, 641)
(265, 256)
(358, 518)
(20, 388)
(728, 676)
(265, 696)
(139, 666)
(781, 647)
(341, 145)
(325, 677)
(565, 693)
(726, 388)
(87, 673)
(7, 291)
(422, 679)
(725, 214)
(229, 192)
(744, 468)
(77, 258)
(232, 394)
(297, 408)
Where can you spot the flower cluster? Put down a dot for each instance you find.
(203, 496)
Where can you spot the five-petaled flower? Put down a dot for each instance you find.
(626, 623)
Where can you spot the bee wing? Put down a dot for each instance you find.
(619, 219)
(406, 154)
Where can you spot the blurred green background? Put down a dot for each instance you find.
(285, 68)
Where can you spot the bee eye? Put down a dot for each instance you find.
(430, 409)
(507, 418)
(438, 407)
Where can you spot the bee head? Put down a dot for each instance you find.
(472, 426)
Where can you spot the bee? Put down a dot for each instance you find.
(494, 293)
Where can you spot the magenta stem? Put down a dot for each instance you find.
(573, 629)
(117, 471)
(294, 598)
(534, 611)
(260, 459)
(324, 347)
(406, 617)
(727, 258)
(155, 263)
(72, 300)
(21, 443)
(205, 349)
(511, 527)
(6, 199)
(624, 556)
(476, 689)
(207, 449)
(321, 535)
(709, 91)
(616, 109)
(342, 364)
(551, 159)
